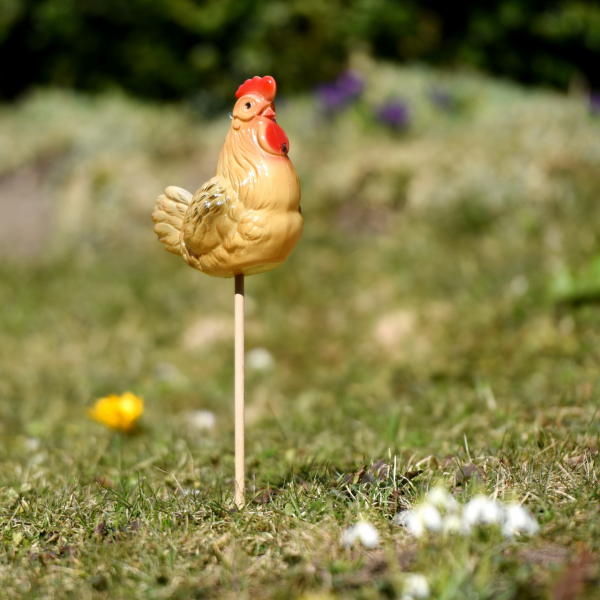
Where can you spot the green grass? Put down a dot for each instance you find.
(440, 309)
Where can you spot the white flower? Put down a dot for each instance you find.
(482, 510)
(170, 373)
(453, 524)
(202, 420)
(259, 359)
(32, 444)
(518, 520)
(442, 500)
(518, 285)
(411, 521)
(414, 587)
(431, 516)
(423, 518)
(364, 532)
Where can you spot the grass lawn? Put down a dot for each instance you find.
(437, 325)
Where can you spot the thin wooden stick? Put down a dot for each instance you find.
(239, 392)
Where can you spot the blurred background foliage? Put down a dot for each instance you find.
(440, 203)
(450, 237)
(200, 49)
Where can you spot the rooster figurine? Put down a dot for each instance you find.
(246, 219)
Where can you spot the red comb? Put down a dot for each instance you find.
(265, 86)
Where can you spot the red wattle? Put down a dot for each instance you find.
(276, 138)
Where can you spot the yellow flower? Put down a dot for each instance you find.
(118, 412)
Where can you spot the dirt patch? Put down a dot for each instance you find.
(547, 555)
(27, 212)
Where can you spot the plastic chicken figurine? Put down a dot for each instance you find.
(246, 219)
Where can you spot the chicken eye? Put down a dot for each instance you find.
(248, 105)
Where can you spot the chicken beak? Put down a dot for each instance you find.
(268, 112)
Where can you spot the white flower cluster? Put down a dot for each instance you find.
(362, 531)
(441, 513)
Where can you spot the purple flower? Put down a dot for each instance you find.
(595, 104)
(341, 92)
(442, 99)
(394, 113)
(331, 98)
(350, 84)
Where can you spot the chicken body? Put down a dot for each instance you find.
(246, 219)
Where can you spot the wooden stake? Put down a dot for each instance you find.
(239, 392)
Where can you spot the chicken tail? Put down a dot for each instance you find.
(169, 215)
